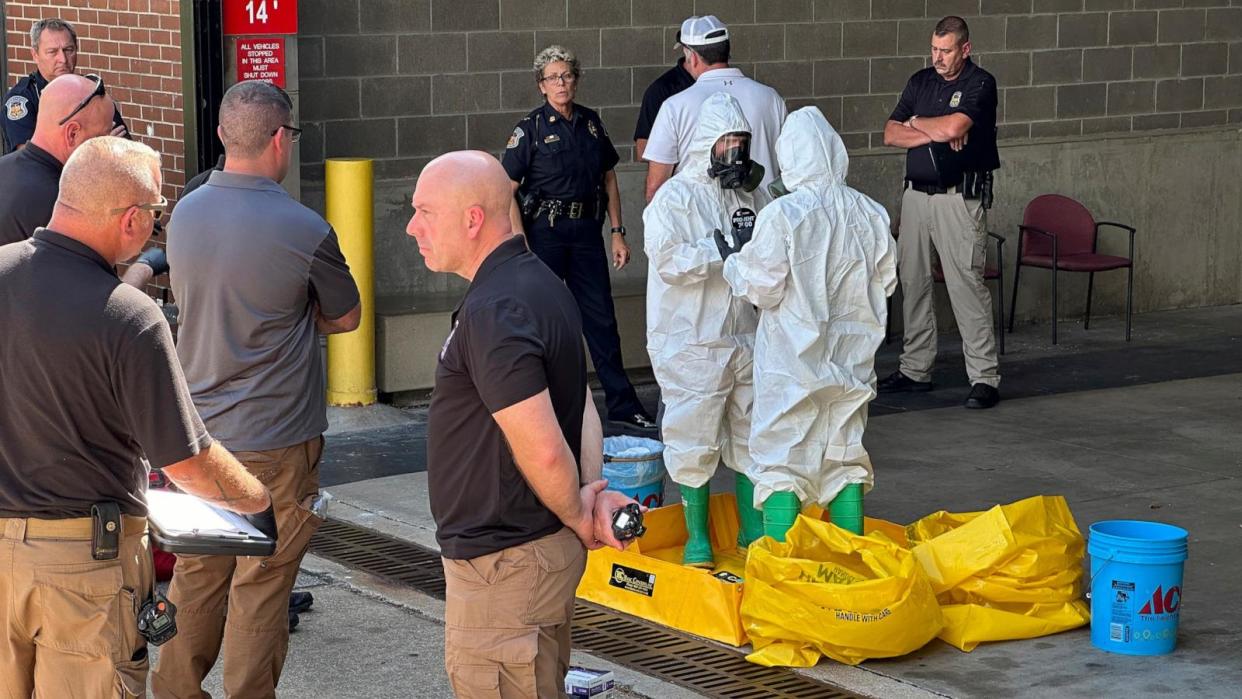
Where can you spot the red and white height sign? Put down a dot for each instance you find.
(243, 17)
(262, 59)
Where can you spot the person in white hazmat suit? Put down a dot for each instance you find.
(819, 268)
(700, 338)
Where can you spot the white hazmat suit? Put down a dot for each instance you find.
(819, 268)
(699, 336)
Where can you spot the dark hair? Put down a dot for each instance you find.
(954, 25)
(713, 54)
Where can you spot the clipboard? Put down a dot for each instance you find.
(182, 523)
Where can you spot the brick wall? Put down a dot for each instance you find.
(403, 80)
(135, 45)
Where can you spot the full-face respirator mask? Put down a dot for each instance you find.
(732, 166)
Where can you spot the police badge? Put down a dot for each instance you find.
(591, 128)
(15, 108)
(956, 99)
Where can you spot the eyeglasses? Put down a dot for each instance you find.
(295, 134)
(562, 79)
(156, 209)
(99, 92)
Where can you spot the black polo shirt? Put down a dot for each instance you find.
(671, 82)
(516, 333)
(29, 184)
(973, 93)
(92, 390)
(559, 158)
(21, 110)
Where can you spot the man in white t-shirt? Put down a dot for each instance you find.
(705, 43)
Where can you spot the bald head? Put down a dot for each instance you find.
(58, 100)
(461, 211)
(101, 184)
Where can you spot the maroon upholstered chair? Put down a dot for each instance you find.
(1059, 234)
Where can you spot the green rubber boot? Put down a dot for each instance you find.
(780, 511)
(846, 509)
(750, 520)
(698, 551)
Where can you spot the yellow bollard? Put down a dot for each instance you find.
(349, 208)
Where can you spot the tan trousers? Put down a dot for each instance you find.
(507, 619)
(957, 229)
(70, 622)
(242, 602)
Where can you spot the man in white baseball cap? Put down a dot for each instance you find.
(705, 43)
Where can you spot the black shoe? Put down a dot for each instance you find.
(300, 601)
(639, 420)
(898, 382)
(982, 396)
(293, 620)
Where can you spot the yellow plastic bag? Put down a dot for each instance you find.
(1014, 571)
(828, 592)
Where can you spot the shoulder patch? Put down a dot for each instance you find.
(516, 138)
(15, 108)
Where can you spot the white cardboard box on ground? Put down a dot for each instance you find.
(584, 682)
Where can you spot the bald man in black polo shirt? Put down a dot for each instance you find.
(92, 396)
(514, 444)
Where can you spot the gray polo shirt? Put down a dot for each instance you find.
(249, 265)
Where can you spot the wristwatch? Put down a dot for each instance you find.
(619, 229)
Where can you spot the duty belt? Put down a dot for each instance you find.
(569, 209)
(932, 188)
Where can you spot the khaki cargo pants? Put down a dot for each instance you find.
(507, 619)
(242, 602)
(70, 622)
(957, 229)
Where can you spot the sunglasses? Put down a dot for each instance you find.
(295, 134)
(99, 92)
(156, 209)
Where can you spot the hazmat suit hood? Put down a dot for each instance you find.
(810, 150)
(719, 115)
(819, 267)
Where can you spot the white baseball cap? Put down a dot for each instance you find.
(702, 31)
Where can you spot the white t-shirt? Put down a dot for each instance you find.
(679, 115)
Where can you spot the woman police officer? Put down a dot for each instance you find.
(561, 162)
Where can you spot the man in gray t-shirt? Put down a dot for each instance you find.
(258, 277)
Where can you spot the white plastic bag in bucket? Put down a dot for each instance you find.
(635, 466)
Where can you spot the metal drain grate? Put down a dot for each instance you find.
(649, 648)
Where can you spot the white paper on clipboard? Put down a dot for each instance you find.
(179, 514)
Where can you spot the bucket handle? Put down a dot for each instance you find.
(1091, 578)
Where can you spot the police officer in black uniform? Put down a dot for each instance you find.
(54, 49)
(561, 162)
(946, 119)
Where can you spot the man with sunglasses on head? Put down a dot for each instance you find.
(54, 49)
(258, 277)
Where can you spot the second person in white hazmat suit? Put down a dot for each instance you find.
(819, 268)
(699, 336)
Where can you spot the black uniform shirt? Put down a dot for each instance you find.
(673, 80)
(559, 158)
(516, 333)
(21, 108)
(92, 389)
(973, 93)
(29, 184)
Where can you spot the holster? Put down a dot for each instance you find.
(978, 185)
(105, 531)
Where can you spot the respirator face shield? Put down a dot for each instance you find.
(731, 163)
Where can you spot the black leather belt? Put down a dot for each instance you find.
(554, 208)
(932, 188)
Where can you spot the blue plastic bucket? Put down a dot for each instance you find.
(635, 466)
(1136, 585)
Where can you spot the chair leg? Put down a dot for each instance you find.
(1086, 319)
(1129, 297)
(1054, 304)
(1013, 298)
(1000, 305)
